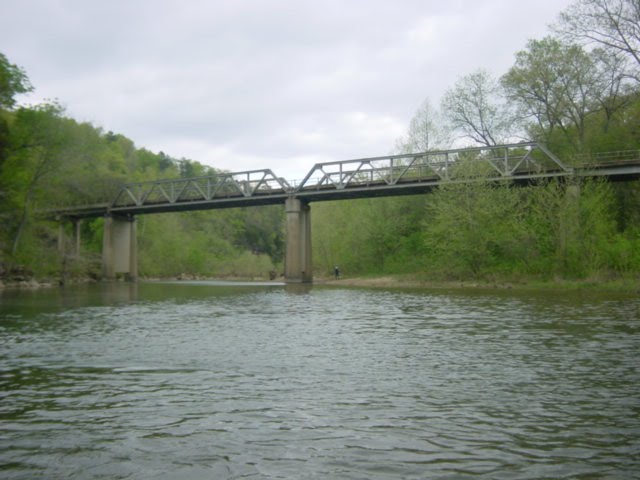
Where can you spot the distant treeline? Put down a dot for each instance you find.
(577, 91)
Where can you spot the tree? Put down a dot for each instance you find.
(613, 92)
(13, 81)
(260, 230)
(572, 225)
(425, 131)
(474, 228)
(612, 24)
(557, 85)
(38, 140)
(475, 107)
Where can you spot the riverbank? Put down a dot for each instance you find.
(406, 281)
(630, 286)
(35, 283)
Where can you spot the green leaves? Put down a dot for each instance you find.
(13, 81)
(368, 236)
(556, 85)
(48, 160)
(482, 230)
(473, 228)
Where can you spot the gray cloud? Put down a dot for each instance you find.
(261, 84)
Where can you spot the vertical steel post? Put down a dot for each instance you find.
(446, 166)
(506, 162)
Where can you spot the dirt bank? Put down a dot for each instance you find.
(406, 281)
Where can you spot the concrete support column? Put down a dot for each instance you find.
(61, 238)
(297, 262)
(133, 249)
(76, 235)
(573, 192)
(119, 248)
(108, 269)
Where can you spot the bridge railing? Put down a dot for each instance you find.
(606, 159)
(504, 160)
(222, 185)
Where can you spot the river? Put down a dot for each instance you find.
(199, 380)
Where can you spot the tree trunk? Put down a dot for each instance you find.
(23, 219)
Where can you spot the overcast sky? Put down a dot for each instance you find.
(249, 84)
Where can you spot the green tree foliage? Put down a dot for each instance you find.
(368, 236)
(556, 85)
(576, 230)
(38, 145)
(471, 228)
(49, 160)
(206, 243)
(13, 81)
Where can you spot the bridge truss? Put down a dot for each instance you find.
(402, 174)
(256, 185)
(411, 172)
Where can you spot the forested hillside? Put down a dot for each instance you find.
(48, 159)
(577, 91)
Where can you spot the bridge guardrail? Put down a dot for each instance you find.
(605, 159)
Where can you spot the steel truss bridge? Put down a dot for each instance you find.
(406, 174)
(403, 174)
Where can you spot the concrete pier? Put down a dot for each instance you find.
(119, 247)
(63, 246)
(297, 262)
(77, 224)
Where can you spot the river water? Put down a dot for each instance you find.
(220, 381)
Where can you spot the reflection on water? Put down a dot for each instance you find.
(202, 380)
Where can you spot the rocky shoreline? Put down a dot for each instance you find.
(7, 283)
(19, 277)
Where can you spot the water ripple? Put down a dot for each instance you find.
(203, 381)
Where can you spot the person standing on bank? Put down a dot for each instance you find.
(336, 272)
